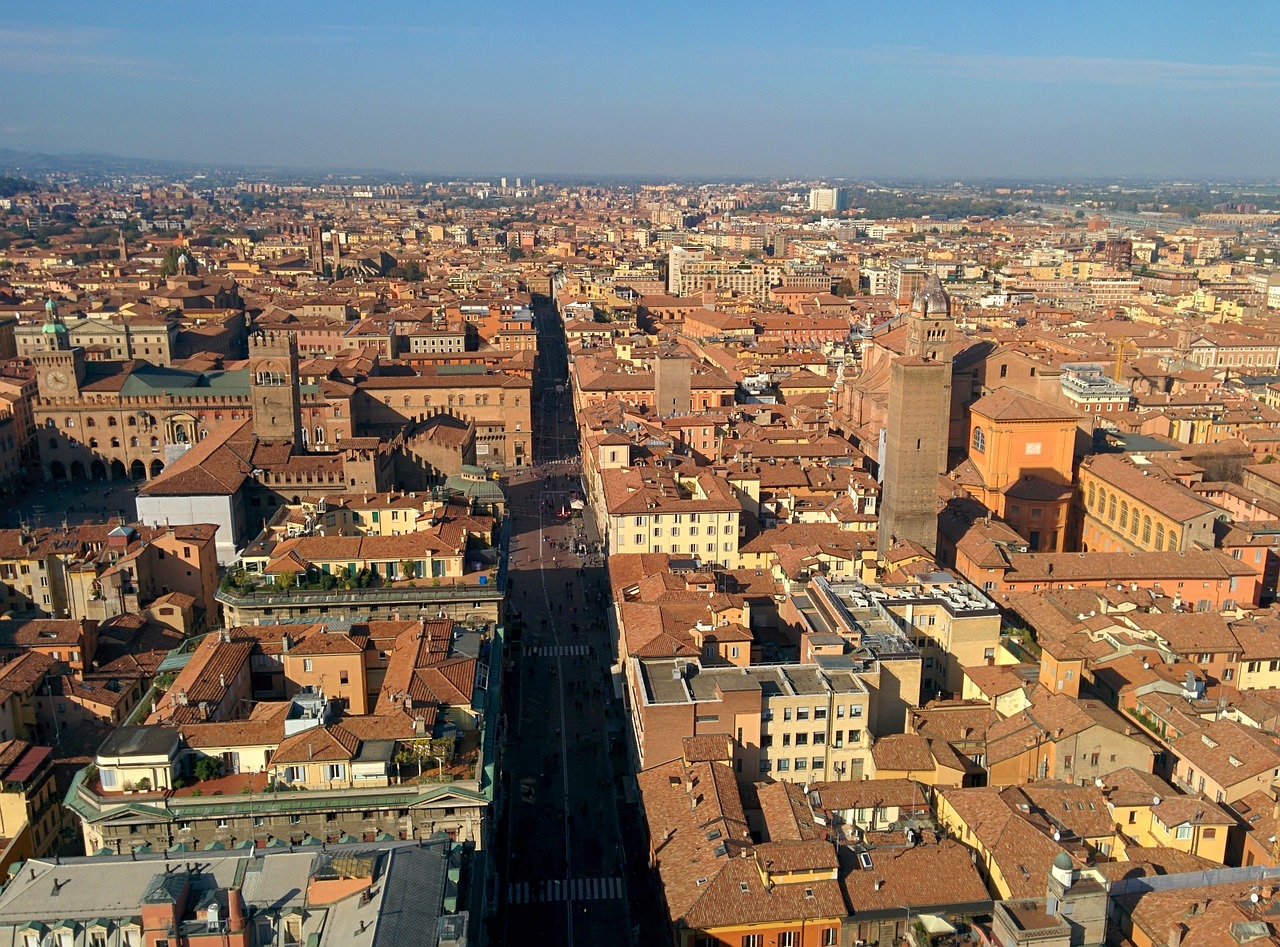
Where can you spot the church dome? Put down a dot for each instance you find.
(932, 299)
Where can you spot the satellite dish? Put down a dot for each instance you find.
(1057, 836)
(1098, 782)
(1253, 896)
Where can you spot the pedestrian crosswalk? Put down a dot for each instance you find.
(570, 889)
(557, 650)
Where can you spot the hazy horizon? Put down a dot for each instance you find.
(706, 91)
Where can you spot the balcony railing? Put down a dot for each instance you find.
(266, 596)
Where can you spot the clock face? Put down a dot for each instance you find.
(57, 380)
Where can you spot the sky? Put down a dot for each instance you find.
(857, 89)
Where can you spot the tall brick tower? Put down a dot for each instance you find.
(915, 450)
(273, 382)
(317, 249)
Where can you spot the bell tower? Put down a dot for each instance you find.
(273, 384)
(930, 328)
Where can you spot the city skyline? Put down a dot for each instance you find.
(708, 91)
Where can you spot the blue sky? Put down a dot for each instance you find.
(806, 89)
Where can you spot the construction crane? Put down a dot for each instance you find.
(1122, 346)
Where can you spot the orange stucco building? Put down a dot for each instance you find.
(1020, 463)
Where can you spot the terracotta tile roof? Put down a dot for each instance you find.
(708, 748)
(1009, 404)
(1148, 485)
(1123, 566)
(264, 728)
(954, 721)
(1023, 851)
(1228, 752)
(323, 744)
(212, 669)
(1150, 862)
(787, 815)
(869, 793)
(24, 673)
(952, 878)
(902, 752)
(997, 680)
(1205, 915)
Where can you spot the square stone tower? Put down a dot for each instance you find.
(273, 383)
(915, 450)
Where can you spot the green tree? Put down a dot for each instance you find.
(410, 272)
(845, 287)
(170, 265)
(514, 253)
(286, 581)
(208, 768)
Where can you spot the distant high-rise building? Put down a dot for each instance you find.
(517, 183)
(504, 184)
(533, 184)
(676, 259)
(915, 447)
(828, 198)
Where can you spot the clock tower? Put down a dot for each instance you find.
(59, 366)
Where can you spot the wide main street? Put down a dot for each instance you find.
(570, 853)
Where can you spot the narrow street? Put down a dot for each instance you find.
(571, 860)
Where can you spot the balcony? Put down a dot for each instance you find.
(450, 590)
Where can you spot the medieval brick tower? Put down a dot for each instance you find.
(273, 382)
(915, 450)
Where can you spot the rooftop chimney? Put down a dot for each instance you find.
(235, 911)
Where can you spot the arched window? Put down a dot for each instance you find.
(111, 421)
(155, 442)
(1102, 501)
(1146, 530)
(90, 422)
(131, 421)
(1111, 509)
(133, 442)
(1133, 524)
(115, 442)
(980, 444)
(1171, 543)
(93, 443)
(1159, 536)
(1091, 497)
(319, 435)
(1124, 513)
(53, 443)
(68, 422)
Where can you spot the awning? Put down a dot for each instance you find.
(936, 924)
(310, 840)
(214, 847)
